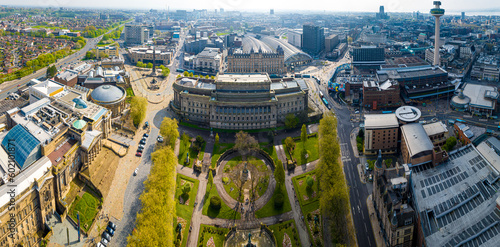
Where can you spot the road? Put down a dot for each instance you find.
(358, 191)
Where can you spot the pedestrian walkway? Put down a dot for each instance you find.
(123, 139)
(375, 223)
(60, 232)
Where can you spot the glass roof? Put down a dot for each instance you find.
(23, 145)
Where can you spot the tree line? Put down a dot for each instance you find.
(334, 196)
(155, 222)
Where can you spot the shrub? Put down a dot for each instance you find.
(279, 201)
(215, 202)
(309, 181)
(225, 180)
(186, 188)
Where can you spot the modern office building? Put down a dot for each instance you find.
(368, 56)
(331, 42)
(135, 34)
(295, 37)
(381, 133)
(256, 61)
(458, 203)
(239, 101)
(313, 39)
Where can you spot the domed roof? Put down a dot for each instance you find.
(107, 94)
(79, 124)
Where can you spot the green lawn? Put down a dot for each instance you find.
(185, 146)
(262, 185)
(130, 92)
(218, 150)
(185, 211)
(290, 229)
(233, 193)
(87, 206)
(306, 206)
(225, 212)
(311, 147)
(303, 191)
(217, 233)
(269, 149)
(270, 210)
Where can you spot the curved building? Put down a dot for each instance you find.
(408, 114)
(251, 44)
(460, 102)
(111, 97)
(293, 56)
(239, 101)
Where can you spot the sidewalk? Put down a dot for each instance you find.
(375, 223)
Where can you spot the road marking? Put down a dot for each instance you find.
(353, 211)
(366, 229)
(369, 243)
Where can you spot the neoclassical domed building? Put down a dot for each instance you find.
(111, 97)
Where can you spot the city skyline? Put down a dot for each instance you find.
(453, 7)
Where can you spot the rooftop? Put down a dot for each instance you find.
(456, 201)
(435, 128)
(416, 139)
(481, 95)
(381, 121)
(242, 78)
(408, 113)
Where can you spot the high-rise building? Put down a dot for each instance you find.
(437, 12)
(221, 11)
(271, 12)
(136, 33)
(381, 13)
(313, 39)
(463, 15)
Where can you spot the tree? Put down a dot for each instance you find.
(149, 66)
(138, 109)
(217, 139)
(139, 64)
(279, 174)
(245, 143)
(185, 73)
(210, 179)
(51, 71)
(215, 202)
(168, 129)
(165, 71)
(450, 143)
(191, 74)
(291, 121)
(103, 55)
(289, 144)
(154, 224)
(279, 200)
(198, 143)
(303, 135)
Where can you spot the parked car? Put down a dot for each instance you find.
(106, 236)
(138, 154)
(146, 135)
(143, 141)
(140, 149)
(356, 112)
(141, 146)
(112, 225)
(367, 167)
(110, 231)
(103, 242)
(159, 139)
(136, 170)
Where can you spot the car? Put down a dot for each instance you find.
(138, 154)
(106, 236)
(104, 242)
(143, 141)
(140, 149)
(141, 145)
(100, 245)
(136, 170)
(159, 139)
(146, 135)
(356, 112)
(110, 231)
(367, 167)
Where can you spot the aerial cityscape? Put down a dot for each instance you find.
(249, 124)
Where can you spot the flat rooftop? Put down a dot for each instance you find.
(435, 128)
(478, 95)
(381, 121)
(456, 201)
(408, 113)
(243, 78)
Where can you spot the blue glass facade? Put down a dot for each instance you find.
(23, 145)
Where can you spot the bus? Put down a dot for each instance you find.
(386, 112)
(179, 70)
(306, 76)
(451, 121)
(190, 71)
(326, 103)
(460, 120)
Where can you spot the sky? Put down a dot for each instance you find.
(451, 6)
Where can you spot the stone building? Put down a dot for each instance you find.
(239, 101)
(256, 62)
(384, 94)
(145, 55)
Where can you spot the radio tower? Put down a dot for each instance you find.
(437, 12)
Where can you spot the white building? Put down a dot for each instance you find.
(209, 60)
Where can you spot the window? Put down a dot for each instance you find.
(408, 221)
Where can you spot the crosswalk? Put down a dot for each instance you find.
(345, 152)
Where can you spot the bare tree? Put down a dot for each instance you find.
(245, 144)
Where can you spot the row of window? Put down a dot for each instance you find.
(242, 110)
(265, 117)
